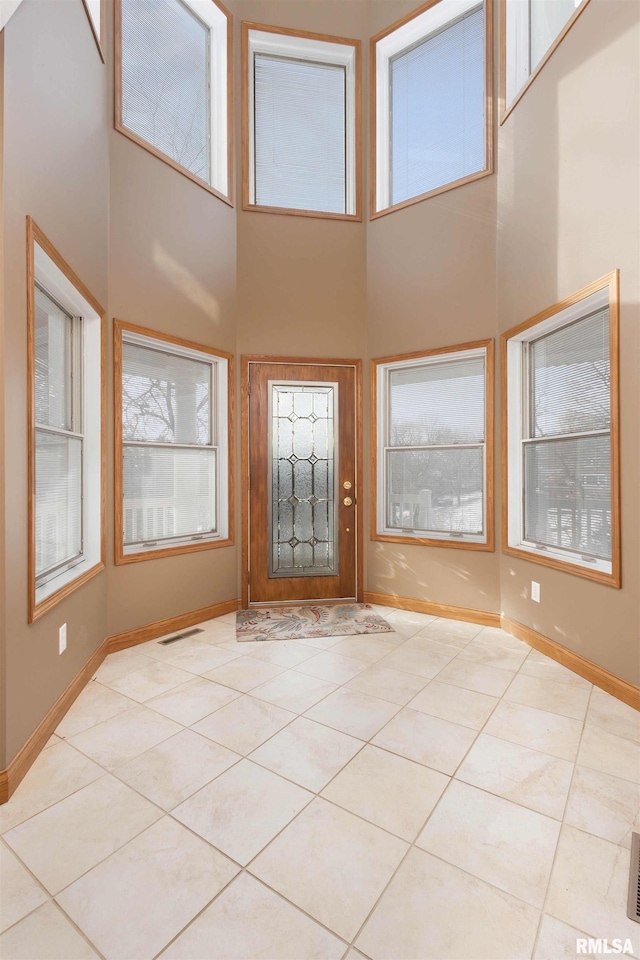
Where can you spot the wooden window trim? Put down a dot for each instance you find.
(121, 128)
(489, 545)
(504, 109)
(99, 38)
(120, 557)
(613, 579)
(37, 609)
(488, 122)
(246, 172)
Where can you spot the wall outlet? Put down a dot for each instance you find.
(62, 638)
(535, 591)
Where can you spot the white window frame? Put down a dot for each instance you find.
(517, 399)
(218, 21)
(419, 28)
(96, 13)
(88, 323)
(383, 372)
(313, 50)
(220, 444)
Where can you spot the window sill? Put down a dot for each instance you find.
(454, 543)
(290, 212)
(376, 214)
(174, 551)
(599, 573)
(45, 598)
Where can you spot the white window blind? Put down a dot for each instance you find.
(437, 104)
(434, 456)
(566, 447)
(547, 20)
(170, 469)
(300, 134)
(166, 96)
(58, 438)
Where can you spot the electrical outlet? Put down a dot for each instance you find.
(62, 638)
(535, 591)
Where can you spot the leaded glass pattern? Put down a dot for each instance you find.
(303, 462)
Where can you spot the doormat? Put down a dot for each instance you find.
(299, 623)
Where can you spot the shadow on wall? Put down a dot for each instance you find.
(186, 284)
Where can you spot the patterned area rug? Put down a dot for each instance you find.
(322, 620)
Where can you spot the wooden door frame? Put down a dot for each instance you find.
(245, 363)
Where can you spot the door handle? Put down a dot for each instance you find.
(347, 501)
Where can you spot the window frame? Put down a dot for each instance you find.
(523, 38)
(380, 56)
(581, 304)
(353, 109)
(46, 266)
(99, 30)
(221, 118)
(379, 368)
(137, 335)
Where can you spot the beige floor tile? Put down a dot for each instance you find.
(286, 653)
(175, 769)
(433, 911)
(69, 838)
(538, 729)
(218, 633)
(466, 707)
(320, 643)
(445, 629)
(613, 716)
(500, 638)
(250, 922)
(603, 751)
(293, 691)
(390, 791)
(54, 738)
(537, 665)
(132, 904)
(45, 934)
(533, 779)
(120, 664)
(407, 623)
(331, 864)
(244, 724)
(605, 806)
(492, 838)
(557, 940)
(150, 681)
(202, 658)
(368, 648)
(566, 699)
(129, 734)
(492, 654)
(59, 771)
(157, 650)
(308, 753)
(332, 667)
(95, 703)
(242, 810)
(387, 684)
(589, 884)
(436, 743)
(439, 645)
(476, 676)
(354, 713)
(353, 954)
(245, 673)
(20, 892)
(192, 701)
(421, 663)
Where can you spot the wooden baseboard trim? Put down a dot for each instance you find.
(621, 689)
(14, 773)
(484, 617)
(131, 638)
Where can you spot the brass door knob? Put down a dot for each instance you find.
(347, 501)
(347, 484)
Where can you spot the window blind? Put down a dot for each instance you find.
(547, 21)
(300, 134)
(437, 100)
(435, 447)
(165, 80)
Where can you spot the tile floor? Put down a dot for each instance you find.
(441, 791)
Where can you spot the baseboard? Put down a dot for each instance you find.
(130, 638)
(15, 772)
(621, 689)
(467, 614)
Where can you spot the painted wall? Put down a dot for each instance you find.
(568, 213)
(3, 672)
(55, 169)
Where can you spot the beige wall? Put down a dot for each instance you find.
(3, 672)
(55, 169)
(568, 213)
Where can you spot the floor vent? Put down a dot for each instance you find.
(633, 905)
(180, 636)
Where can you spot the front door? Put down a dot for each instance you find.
(302, 481)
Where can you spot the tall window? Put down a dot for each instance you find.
(96, 13)
(173, 486)
(434, 447)
(562, 435)
(173, 84)
(66, 544)
(432, 93)
(531, 30)
(302, 122)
